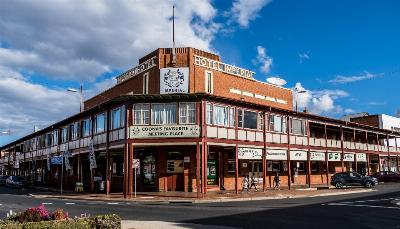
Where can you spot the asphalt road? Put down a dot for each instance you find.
(377, 209)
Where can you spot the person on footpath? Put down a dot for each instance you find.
(253, 183)
(277, 182)
(245, 184)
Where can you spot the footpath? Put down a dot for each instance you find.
(212, 196)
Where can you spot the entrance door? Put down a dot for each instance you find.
(212, 169)
(175, 178)
(148, 169)
(255, 171)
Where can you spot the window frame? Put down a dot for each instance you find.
(209, 86)
(141, 114)
(164, 123)
(104, 124)
(284, 120)
(187, 112)
(146, 83)
(304, 123)
(242, 110)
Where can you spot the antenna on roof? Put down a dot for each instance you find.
(173, 36)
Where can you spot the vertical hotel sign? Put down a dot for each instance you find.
(174, 80)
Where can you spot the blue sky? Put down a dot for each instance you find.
(345, 54)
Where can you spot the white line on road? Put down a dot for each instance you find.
(69, 203)
(361, 205)
(113, 203)
(47, 203)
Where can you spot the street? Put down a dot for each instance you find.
(376, 209)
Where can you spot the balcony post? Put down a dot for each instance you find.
(342, 146)
(388, 150)
(308, 154)
(264, 152)
(326, 155)
(379, 156)
(354, 140)
(288, 153)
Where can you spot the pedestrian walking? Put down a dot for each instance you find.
(277, 181)
(245, 184)
(253, 183)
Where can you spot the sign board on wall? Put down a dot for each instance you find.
(334, 157)
(276, 154)
(317, 156)
(298, 155)
(348, 157)
(174, 80)
(174, 166)
(361, 157)
(249, 153)
(175, 131)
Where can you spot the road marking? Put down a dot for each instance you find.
(361, 205)
(69, 203)
(47, 203)
(113, 203)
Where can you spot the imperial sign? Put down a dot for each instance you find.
(174, 80)
(175, 131)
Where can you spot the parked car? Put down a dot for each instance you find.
(339, 180)
(16, 181)
(387, 176)
(3, 180)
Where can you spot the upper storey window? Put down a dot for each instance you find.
(187, 113)
(298, 127)
(277, 123)
(100, 123)
(163, 113)
(249, 119)
(141, 114)
(86, 127)
(220, 115)
(146, 83)
(209, 82)
(118, 118)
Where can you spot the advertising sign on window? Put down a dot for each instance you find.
(170, 131)
(361, 157)
(249, 153)
(211, 172)
(334, 157)
(174, 80)
(298, 155)
(317, 156)
(348, 157)
(174, 166)
(276, 154)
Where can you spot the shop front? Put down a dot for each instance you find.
(318, 168)
(361, 163)
(349, 162)
(298, 167)
(276, 165)
(334, 162)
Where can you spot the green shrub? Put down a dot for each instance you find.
(98, 222)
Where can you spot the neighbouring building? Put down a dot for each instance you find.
(193, 125)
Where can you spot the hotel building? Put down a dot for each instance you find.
(189, 122)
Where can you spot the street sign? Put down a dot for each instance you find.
(56, 160)
(136, 164)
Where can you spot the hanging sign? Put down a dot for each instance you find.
(348, 157)
(56, 160)
(334, 157)
(174, 80)
(317, 156)
(298, 155)
(92, 156)
(276, 154)
(175, 131)
(361, 157)
(249, 153)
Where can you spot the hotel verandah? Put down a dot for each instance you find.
(197, 124)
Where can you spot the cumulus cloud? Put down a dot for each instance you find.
(263, 59)
(244, 11)
(79, 40)
(321, 102)
(351, 79)
(72, 40)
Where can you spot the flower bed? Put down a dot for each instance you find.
(39, 217)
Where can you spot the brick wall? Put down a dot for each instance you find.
(372, 120)
(222, 82)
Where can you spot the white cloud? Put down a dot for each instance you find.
(304, 56)
(79, 40)
(24, 104)
(263, 59)
(349, 111)
(350, 79)
(377, 103)
(244, 11)
(321, 102)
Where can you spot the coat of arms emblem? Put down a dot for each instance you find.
(174, 78)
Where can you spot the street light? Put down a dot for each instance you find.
(80, 95)
(297, 91)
